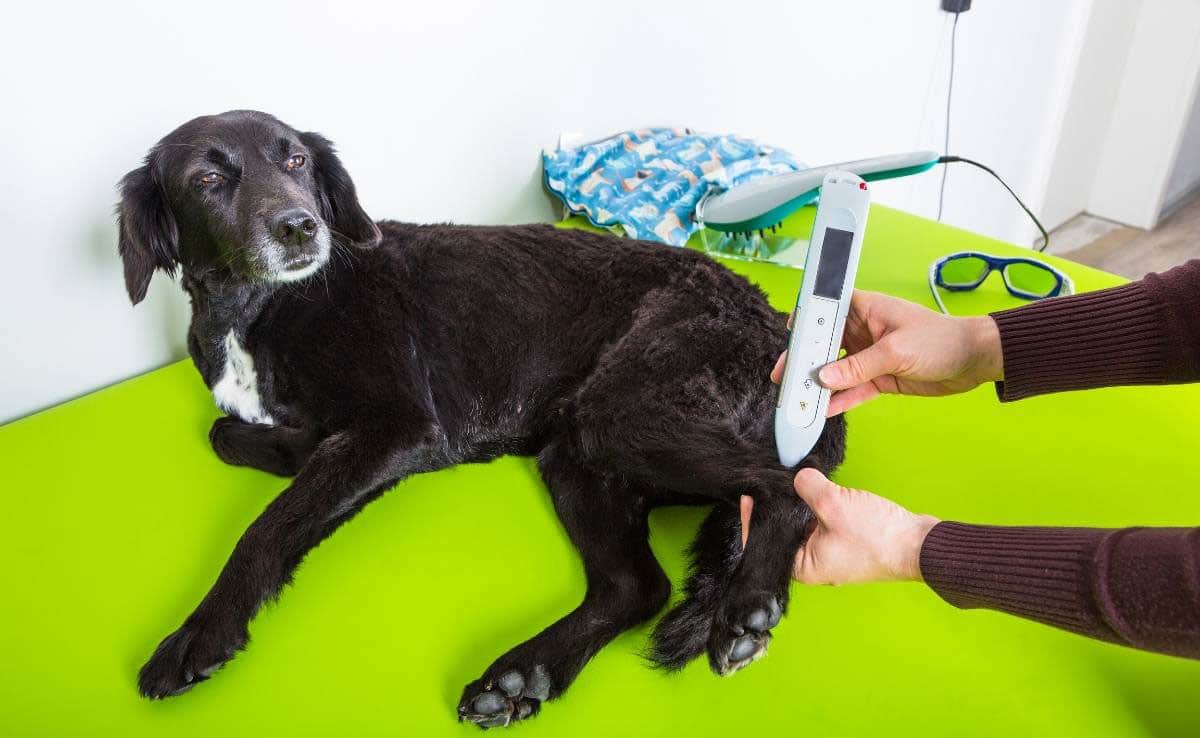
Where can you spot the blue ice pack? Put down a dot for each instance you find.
(648, 181)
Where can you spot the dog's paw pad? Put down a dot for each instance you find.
(741, 652)
(762, 619)
(742, 632)
(490, 703)
(510, 697)
(511, 683)
(743, 648)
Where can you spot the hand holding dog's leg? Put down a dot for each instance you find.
(347, 471)
(857, 536)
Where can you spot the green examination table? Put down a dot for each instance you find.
(117, 518)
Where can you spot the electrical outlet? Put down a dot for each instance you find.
(956, 6)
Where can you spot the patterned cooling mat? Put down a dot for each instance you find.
(648, 181)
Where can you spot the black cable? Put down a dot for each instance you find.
(947, 159)
(949, 97)
(1036, 222)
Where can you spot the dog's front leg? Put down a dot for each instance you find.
(347, 470)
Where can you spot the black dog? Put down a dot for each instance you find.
(352, 354)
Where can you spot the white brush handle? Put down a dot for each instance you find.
(758, 196)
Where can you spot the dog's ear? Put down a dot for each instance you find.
(148, 238)
(339, 201)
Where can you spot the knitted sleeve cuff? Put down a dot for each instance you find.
(1036, 573)
(1098, 339)
(1134, 586)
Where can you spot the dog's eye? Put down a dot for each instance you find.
(296, 161)
(210, 178)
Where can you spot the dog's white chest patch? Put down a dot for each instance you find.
(236, 392)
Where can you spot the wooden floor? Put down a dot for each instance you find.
(1130, 252)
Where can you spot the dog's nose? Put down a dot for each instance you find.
(294, 227)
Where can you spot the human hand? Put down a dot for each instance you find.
(856, 537)
(898, 347)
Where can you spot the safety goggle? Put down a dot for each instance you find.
(1025, 278)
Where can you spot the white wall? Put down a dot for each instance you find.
(440, 111)
(1015, 68)
(1106, 38)
(1154, 98)
(1185, 172)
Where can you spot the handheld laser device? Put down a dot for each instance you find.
(819, 318)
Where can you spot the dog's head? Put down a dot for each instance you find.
(239, 194)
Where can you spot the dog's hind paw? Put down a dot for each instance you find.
(510, 697)
(184, 659)
(742, 632)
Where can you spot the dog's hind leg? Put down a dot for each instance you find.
(757, 593)
(744, 595)
(684, 404)
(605, 517)
(683, 633)
(732, 597)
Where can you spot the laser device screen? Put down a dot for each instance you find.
(835, 257)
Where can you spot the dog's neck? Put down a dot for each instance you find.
(220, 308)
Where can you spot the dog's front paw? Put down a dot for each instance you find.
(742, 631)
(503, 700)
(222, 436)
(184, 659)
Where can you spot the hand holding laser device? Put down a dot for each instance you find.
(819, 318)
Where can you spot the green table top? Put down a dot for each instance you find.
(117, 517)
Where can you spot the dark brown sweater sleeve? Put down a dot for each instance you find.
(1135, 586)
(1138, 587)
(1145, 332)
